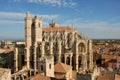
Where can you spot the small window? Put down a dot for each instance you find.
(49, 66)
(33, 24)
(41, 67)
(39, 24)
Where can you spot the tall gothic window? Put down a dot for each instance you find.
(50, 66)
(42, 68)
(39, 25)
(79, 61)
(68, 60)
(81, 47)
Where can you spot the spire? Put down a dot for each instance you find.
(27, 14)
(53, 24)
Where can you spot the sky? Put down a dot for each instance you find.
(96, 19)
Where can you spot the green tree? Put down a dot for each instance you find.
(2, 62)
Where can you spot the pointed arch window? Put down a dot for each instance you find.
(50, 66)
(42, 68)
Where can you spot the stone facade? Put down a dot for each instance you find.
(44, 47)
(5, 74)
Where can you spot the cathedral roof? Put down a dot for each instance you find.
(62, 68)
(61, 28)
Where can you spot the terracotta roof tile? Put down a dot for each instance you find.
(61, 28)
(117, 77)
(109, 56)
(118, 59)
(40, 77)
(62, 68)
(5, 51)
(106, 77)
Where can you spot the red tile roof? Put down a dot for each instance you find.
(61, 28)
(62, 68)
(5, 51)
(106, 77)
(104, 56)
(117, 77)
(40, 77)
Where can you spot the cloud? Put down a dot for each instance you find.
(11, 15)
(18, 18)
(22, 15)
(96, 29)
(51, 2)
(11, 22)
(81, 23)
(101, 29)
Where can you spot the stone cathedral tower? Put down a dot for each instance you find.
(33, 35)
(36, 58)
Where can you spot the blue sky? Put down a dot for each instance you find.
(94, 18)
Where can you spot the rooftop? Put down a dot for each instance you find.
(53, 26)
(5, 51)
(106, 77)
(62, 68)
(40, 77)
(59, 28)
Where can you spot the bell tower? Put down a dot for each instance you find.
(28, 41)
(33, 35)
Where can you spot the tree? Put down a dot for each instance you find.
(2, 62)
